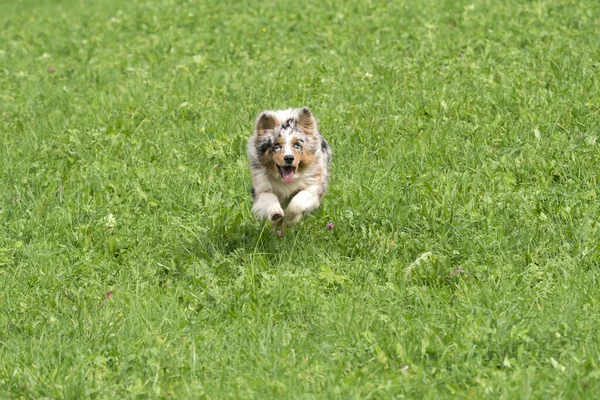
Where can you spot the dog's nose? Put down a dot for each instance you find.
(288, 159)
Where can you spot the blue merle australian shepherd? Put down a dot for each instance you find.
(289, 161)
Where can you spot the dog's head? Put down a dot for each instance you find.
(286, 147)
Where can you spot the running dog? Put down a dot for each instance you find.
(289, 161)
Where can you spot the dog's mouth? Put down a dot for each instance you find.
(286, 172)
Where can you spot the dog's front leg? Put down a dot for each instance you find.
(267, 206)
(300, 204)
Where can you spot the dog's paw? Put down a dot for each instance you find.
(291, 219)
(276, 213)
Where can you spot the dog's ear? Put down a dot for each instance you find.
(265, 122)
(306, 121)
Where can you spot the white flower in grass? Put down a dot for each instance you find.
(110, 222)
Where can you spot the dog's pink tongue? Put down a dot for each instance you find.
(288, 175)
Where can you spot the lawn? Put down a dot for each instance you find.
(465, 258)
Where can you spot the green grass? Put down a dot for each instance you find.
(464, 193)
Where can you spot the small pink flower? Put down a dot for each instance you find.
(51, 69)
(107, 296)
(330, 225)
(404, 367)
(279, 233)
(458, 271)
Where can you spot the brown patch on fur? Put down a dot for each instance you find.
(305, 159)
(270, 159)
(275, 157)
(306, 122)
(265, 158)
(265, 123)
(278, 158)
(302, 159)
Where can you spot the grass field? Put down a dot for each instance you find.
(464, 261)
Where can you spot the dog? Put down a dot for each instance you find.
(289, 161)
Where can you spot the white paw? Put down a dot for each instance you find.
(291, 219)
(276, 213)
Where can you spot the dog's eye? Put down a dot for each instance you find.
(276, 147)
(297, 146)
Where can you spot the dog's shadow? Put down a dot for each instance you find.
(250, 237)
